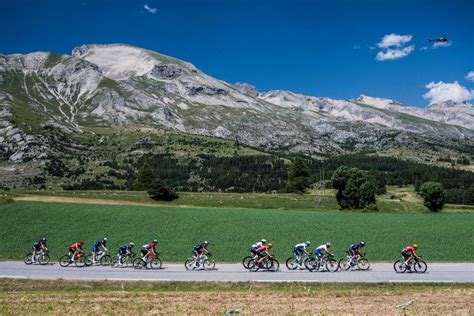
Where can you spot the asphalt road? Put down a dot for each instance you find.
(379, 272)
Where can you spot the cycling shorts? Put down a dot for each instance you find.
(122, 251)
(297, 251)
(144, 251)
(36, 246)
(352, 251)
(319, 253)
(95, 248)
(406, 254)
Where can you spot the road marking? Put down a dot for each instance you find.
(420, 281)
(13, 277)
(133, 279)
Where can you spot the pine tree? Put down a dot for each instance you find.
(144, 178)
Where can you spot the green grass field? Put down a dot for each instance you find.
(231, 231)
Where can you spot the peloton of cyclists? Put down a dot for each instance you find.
(38, 246)
(99, 245)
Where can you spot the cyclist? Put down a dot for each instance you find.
(299, 249)
(125, 250)
(38, 246)
(254, 248)
(322, 250)
(408, 253)
(74, 249)
(149, 248)
(199, 250)
(355, 250)
(263, 252)
(96, 248)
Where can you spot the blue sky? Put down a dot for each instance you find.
(323, 48)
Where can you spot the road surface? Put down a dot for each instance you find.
(379, 272)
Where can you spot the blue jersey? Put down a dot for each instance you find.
(100, 243)
(199, 247)
(356, 246)
(124, 248)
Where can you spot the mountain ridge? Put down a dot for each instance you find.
(119, 84)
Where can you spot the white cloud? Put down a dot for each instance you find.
(470, 76)
(441, 44)
(149, 9)
(441, 91)
(390, 54)
(424, 48)
(394, 40)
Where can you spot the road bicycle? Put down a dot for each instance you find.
(360, 262)
(246, 260)
(417, 265)
(78, 260)
(127, 260)
(150, 262)
(292, 262)
(205, 261)
(268, 263)
(103, 258)
(326, 262)
(41, 258)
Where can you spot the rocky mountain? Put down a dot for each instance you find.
(103, 86)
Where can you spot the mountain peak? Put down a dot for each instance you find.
(379, 103)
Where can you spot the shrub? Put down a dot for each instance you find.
(433, 195)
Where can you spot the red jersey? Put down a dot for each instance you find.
(152, 244)
(263, 248)
(76, 246)
(409, 249)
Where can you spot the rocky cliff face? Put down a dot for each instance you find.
(105, 85)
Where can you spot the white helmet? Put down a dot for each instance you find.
(308, 242)
(263, 241)
(328, 244)
(105, 238)
(132, 244)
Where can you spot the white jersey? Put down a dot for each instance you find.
(257, 245)
(322, 247)
(301, 246)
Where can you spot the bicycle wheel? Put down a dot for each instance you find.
(88, 260)
(64, 261)
(253, 266)
(420, 266)
(44, 259)
(189, 264)
(274, 266)
(312, 264)
(128, 261)
(363, 264)
(105, 260)
(156, 263)
(345, 263)
(245, 261)
(209, 264)
(80, 262)
(138, 263)
(28, 259)
(332, 265)
(291, 263)
(399, 266)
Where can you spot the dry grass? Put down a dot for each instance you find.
(147, 298)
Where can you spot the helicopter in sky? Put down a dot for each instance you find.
(440, 39)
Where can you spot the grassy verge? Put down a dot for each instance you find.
(443, 237)
(60, 297)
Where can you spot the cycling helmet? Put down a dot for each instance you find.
(263, 241)
(105, 238)
(131, 244)
(328, 244)
(206, 242)
(362, 243)
(415, 246)
(308, 242)
(81, 242)
(44, 239)
(270, 245)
